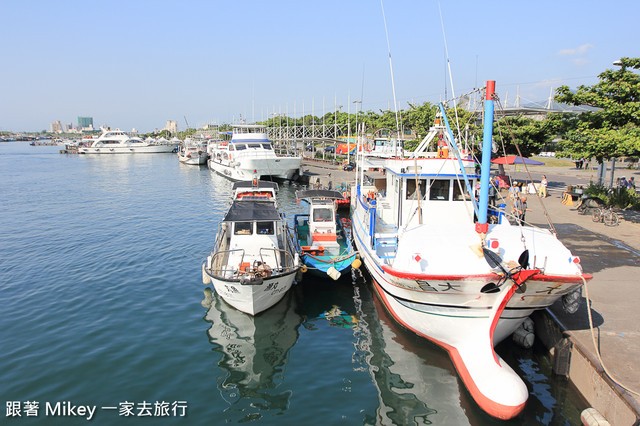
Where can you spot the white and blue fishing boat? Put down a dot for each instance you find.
(324, 238)
(444, 272)
(254, 260)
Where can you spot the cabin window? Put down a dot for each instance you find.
(322, 215)
(267, 146)
(458, 194)
(439, 190)
(243, 228)
(239, 147)
(255, 145)
(264, 228)
(411, 193)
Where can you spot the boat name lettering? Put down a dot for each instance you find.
(549, 289)
(424, 285)
(449, 286)
(272, 286)
(231, 289)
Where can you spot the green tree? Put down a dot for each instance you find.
(530, 135)
(613, 130)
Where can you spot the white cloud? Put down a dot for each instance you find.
(580, 62)
(580, 50)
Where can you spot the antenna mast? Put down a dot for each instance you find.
(393, 86)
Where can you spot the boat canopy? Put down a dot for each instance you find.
(319, 193)
(251, 210)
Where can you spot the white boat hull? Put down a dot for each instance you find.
(253, 298)
(432, 283)
(193, 158)
(151, 149)
(284, 168)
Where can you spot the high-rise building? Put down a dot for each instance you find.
(85, 123)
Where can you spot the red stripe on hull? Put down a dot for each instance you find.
(540, 277)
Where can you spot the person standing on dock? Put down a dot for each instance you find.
(520, 209)
(543, 187)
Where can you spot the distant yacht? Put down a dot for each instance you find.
(118, 142)
(250, 155)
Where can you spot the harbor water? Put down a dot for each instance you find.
(103, 306)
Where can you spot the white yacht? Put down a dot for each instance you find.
(249, 154)
(119, 142)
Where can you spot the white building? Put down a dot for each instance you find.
(55, 127)
(172, 126)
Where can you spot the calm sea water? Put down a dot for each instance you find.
(102, 305)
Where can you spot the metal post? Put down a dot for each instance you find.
(482, 225)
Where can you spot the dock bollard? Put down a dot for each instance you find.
(592, 417)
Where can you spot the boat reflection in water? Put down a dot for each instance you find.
(415, 382)
(254, 355)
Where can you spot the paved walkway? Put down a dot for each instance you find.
(610, 254)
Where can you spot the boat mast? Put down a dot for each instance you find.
(482, 226)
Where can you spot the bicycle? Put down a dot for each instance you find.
(589, 204)
(606, 215)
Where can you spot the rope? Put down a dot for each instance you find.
(513, 138)
(595, 345)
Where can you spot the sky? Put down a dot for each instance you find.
(136, 64)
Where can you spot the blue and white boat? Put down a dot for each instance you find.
(324, 238)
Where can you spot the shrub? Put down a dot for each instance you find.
(619, 197)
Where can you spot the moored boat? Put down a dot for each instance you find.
(191, 152)
(324, 238)
(254, 261)
(444, 272)
(118, 142)
(249, 153)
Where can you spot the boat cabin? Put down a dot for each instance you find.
(429, 190)
(321, 221)
(252, 233)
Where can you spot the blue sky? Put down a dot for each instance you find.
(139, 63)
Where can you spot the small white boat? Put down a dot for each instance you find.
(190, 152)
(118, 142)
(250, 154)
(442, 270)
(254, 260)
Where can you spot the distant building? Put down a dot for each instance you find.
(172, 126)
(85, 123)
(55, 127)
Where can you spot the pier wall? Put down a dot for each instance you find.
(571, 359)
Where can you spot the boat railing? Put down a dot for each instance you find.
(283, 258)
(220, 267)
(369, 206)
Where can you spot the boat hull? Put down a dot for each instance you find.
(128, 150)
(284, 168)
(193, 159)
(253, 297)
(433, 284)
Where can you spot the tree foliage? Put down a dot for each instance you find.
(613, 129)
